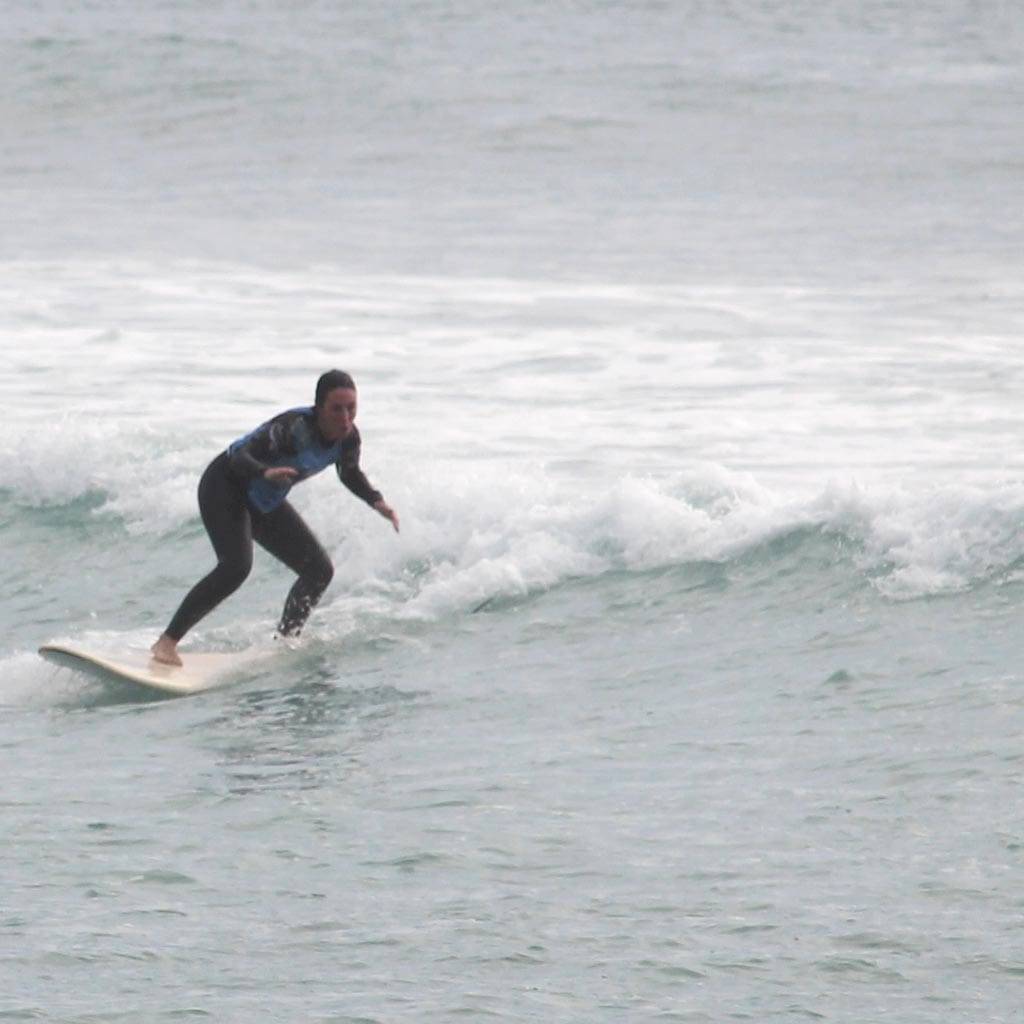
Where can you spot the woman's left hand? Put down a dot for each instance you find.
(387, 512)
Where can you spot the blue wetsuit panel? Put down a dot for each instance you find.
(294, 442)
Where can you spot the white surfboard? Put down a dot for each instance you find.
(199, 671)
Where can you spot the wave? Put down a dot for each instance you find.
(472, 536)
(495, 539)
(101, 468)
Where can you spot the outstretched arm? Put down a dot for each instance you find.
(355, 480)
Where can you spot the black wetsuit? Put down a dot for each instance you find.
(239, 506)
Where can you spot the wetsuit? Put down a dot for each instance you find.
(239, 506)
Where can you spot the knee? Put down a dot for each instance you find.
(325, 573)
(319, 573)
(234, 574)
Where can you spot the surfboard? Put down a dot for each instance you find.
(198, 672)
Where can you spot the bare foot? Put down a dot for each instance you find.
(165, 650)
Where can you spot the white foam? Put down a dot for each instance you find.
(532, 431)
(27, 680)
(490, 540)
(933, 540)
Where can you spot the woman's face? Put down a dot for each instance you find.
(337, 414)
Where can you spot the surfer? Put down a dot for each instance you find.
(243, 497)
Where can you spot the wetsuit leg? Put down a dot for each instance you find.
(286, 536)
(227, 520)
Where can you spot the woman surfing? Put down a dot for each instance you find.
(243, 497)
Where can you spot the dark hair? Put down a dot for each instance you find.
(329, 381)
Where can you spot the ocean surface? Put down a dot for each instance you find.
(689, 345)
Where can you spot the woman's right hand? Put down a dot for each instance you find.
(281, 476)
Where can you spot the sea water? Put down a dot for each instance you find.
(688, 345)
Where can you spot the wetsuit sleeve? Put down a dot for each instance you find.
(352, 476)
(255, 456)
